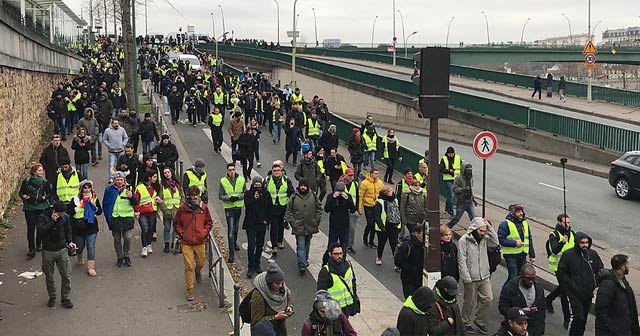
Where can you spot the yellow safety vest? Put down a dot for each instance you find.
(145, 197)
(340, 292)
(554, 259)
(313, 128)
(67, 189)
(279, 194)
(277, 117)
(405, 186)
(80, 210)
(383, 215)
(194, 181)
(385, 140)
(370, 143)
(513, 235)
(297, 98)
(234, 190)
(216, 119)
(122, 208)
(321, 166)
(171, 200)
(411, 305)
(218, 99)
(351, 190)
(206, 77)
(419, 177)
(163, 72)
(457, 163)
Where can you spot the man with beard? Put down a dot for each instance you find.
(465, 202)
(338, 278)
(560, 240)
(257, 218)
(304, 213)
(525, 292)
(516, 241)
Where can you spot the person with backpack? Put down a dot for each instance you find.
(269, 305)
(443, 318)
(387, 218)
(409, 257)
(35, 192)
(326, 318)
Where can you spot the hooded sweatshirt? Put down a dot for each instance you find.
(412, 319)
(462, 185)
(473, 262)
(577, 269)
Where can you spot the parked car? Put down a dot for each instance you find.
(624, 174)
(193, 60)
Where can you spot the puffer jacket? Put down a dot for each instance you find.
(473, 262)
(193, 225)
(369, 191)
(304, 213)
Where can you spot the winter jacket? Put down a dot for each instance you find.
(338, 209)
(503, 233)
(449, 259)
(325, 281)
(412, 319)
(437, 318)
(38, 191)
(309, 170)
(103, 114)
(328, 141)
(193, 225)
(292, 141)
(50, 160)
(83, 226)
(82, 148)
(257, 211)
(55, 235)
(369, 191)
(147, 208)
(166, 155)
(91, 127)
(148, 131)
(473, 262)
(356, 150)
(247, 143)
(317, 326)
(330, 167)
(462, 185)
(616, 309)
(111, 193)
(304, 213)
(236, 128)
(577, 270)
(413, 207)
(409, 257)
(511, 296)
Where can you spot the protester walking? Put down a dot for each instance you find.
(172, 197)
(616, 309)
(257, 218)
(35, 192)
(304, 214)
(231, 193)
(84, 209)
(118, 203)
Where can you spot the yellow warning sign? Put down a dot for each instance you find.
(590, 48)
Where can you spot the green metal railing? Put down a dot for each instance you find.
(593, 133)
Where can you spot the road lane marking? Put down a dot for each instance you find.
(377, 300)
(551, 186)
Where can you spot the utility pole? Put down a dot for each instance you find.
(146, 24)
(104, 2)
(394, 33)
(315, 25)
(90, 21)
(589, 71)
(278, 20)
(293, 46)
(224, 28)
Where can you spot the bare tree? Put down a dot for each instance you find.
(129, 67)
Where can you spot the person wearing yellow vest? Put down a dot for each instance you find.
(561, 239)
(172, 196)
(450, 166)
(422, 175)
(118, 203)
(231, 193)
(196, 176)
(146, 210)
(215, 122)
(351, 187)
(516, 241)
(219, 100)
(67, 181)
(370, 139)
(338, 278)
(277, 120)
(84, 209)
(280, 188)
(313, 130)
(368, 194)
(297, 97)
(387, 219)
(412, 319)
(390, 153)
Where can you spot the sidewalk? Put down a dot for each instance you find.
(619, 113)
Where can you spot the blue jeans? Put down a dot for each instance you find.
(99, 144)
(469, 208)
(277, 127)
(341, 235)
(147, 146)
(255, 240)
(88, 241)
(233, 222)
(451, 197)
(60, 127)
(115, 112)
(167, 234)
(303, 244)
(148, 227)
(514, 263)
(84, 170)
(113, 159)
(370, 157)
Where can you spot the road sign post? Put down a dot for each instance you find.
(590, 62)
(485, 144)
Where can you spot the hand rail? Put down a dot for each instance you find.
(216, 275)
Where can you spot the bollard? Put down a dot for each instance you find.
(221, 281)
(181, 168)
(236, 308)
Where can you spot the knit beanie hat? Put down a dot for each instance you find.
(424, 298)
(339, 186)
(274, 273)
(256, 179)
(198, 163)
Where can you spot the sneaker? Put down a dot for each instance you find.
(259, 164)
(469, 329)
(144, 252)
(95, 163)
(67, 304)
(230, 260)
(155, 236)
(120, 262)
(281, 245)
(550, 306)
(51, 302)
(274, 253)
(31, 254)
(482, 328)
(302, 271)
(351, 250)
(237, 248)
(378, 261)
(373, 245)
(189, 295)
(166, 248)
(249, 274)
(198, 277)
(149, 249)
(396, 268)
(127, 261)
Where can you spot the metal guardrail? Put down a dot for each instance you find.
(216, 268)
(593, 133)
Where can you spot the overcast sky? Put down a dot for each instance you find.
(352, 20)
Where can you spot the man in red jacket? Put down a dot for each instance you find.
(192, 223)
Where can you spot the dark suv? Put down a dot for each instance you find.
(624, 175)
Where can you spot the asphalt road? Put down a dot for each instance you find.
(530, 103)
(198, 144)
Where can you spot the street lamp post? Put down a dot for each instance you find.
(405, 43)
(404, 38)
(293, 46)
(569, 23)
(523, 27)
(373, 30)
(394, 33)
(215, 38)
(278, 20)
(590, 72)
(593, 31)
(224, 28)
(315, 25)
(446, 44)
(146, 26)
(486, 21)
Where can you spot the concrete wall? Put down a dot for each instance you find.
(22, 49)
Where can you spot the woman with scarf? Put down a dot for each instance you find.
(355, 145)
(146, 195)
(271, 303)
(81, 145)
(35, 193)
(83, 210)
(172, 197)
(327, 319)
(387, 219)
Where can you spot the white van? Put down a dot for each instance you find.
(193, 60)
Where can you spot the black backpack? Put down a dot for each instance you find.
(245, 307)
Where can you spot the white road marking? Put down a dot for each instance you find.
(376, 300)
(551, 186)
